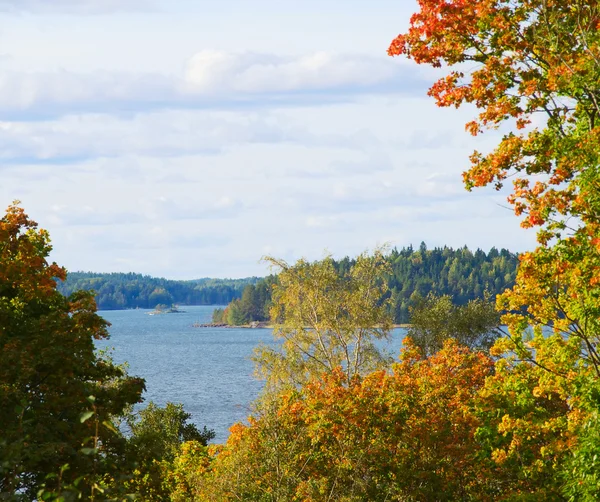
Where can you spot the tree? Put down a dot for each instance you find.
(535, 64)
(158, 432)
(156, 435)
(57, 395)
(251, 303)
(434, 319)
(443, 271)
(218, 316)
(189, 471)
(531, 416)
(234, 314)
(408, 435)
(531, 58)
(582, 468)
(326, 320)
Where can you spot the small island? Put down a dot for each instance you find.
(165, 309)
(253, 324)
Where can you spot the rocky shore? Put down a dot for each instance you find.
(254, 324)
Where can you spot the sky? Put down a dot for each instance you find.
(189, 138)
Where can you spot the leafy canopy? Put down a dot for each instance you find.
(405, 435)
(434, 319)
(326, 319)
(58, 397)
(534, 65)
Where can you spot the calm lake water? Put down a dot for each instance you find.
(207, 369)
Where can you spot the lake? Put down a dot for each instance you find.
(207, 369)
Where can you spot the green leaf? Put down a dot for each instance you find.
(110, 426)
(85, 416)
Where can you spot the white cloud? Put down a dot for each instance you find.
(87, 215)
(218, 72)
(75, 6)
(206, 208)
(323, 221)
(193, 214)
(25, 95)
(160, 134)
(173, 133)
(185, 166)
(212, 80)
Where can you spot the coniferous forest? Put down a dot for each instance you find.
(413, 274)
(129, 291)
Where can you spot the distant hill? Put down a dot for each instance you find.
(128, 290)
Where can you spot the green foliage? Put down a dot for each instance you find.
(412, 274)
(434, 319)
(58, 397)
(582, 471)
(188, 471)
(156, 437)
(326, 319)
(218, 317)
(125, 291)
(157, 433)
(516, 61)
(405, 435)
(234, 314)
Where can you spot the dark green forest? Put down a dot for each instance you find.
(127, 291)
(460, 273)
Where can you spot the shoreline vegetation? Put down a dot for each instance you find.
(264, 325)
(460, 273)
(123, 291)
(411, 275)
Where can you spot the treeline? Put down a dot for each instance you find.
(116, 291)
(414, 273)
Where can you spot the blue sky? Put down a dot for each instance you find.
(187, 138)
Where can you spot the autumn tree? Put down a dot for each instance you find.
(535, 64)
(326, 320)
(57, 395)
(533, 67)
(434, 319)
(405, 435)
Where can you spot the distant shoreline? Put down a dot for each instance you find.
(261, 325)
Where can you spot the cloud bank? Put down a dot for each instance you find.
(211, 80)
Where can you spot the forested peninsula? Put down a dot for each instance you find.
(413, 274)
(116, 291)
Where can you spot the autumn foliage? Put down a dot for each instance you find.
(58, 397)
(405, 435)
(458, 425)
(531, 68)
(533, 65)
